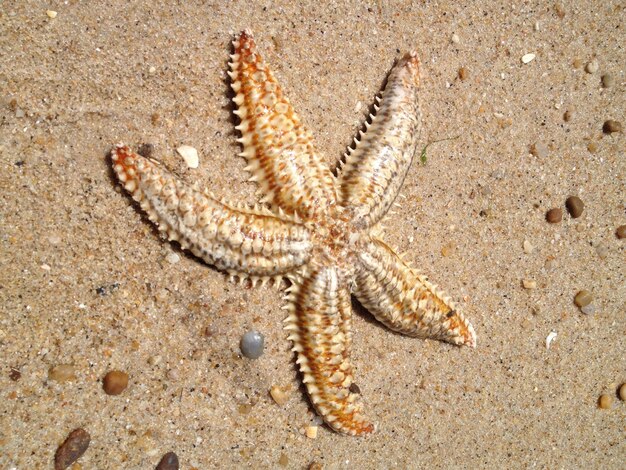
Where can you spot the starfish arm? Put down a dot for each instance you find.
(375, 168)
(277, 146)
(238, 240)
(405, 301)
(319, 325)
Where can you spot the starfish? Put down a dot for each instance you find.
(319, 231)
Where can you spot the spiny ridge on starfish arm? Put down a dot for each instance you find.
(320, 231)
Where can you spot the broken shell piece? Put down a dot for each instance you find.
(190, 155)
(526, 58)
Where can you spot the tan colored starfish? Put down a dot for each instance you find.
(321, 232)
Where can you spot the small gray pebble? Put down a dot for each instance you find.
(607, 80)
(588, 309)
(252, 344)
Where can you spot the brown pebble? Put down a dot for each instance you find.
(583, 298)
(168, 462)
(574, 206)
(605, 401)
(567, 116)
(354, 388)
(463, 73)
(621, 232)
(155, 118)
(115, 382)
(554, 216)
(72, 449)
(621, 393)
(611, 126)
(15, 374)
(279, 394)
(607, 80)
(283, 461)
(315, 466)
(592, 147)
(145, 150)
(62, 373)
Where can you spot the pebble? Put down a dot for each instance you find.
(152, 70)
(605, 401)
(168, 462)
(15, 374)
(455, 38)
(51, 14)
(283, 461)
(607, 80)
(311, 432)
(567, 116)
(463, 73)
(279, 394)
(592, 67)
(592, 147)
(62, 373)
(611, 126)
(526, 58)
(528, 248)
(583, 298)
(588, 309)
(529, 284)
(539, 149)
(154, 360)
(115, 382)
(172, 258)
(602, 251)
(574, 206)
(622, 392)
(145, 150)
(551, 337)
(72, 449)
(252, 344)
(315, 466)
(554, 216)
(190, 155)
(620, 232)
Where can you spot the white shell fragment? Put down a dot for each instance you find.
(551, 337)
(526, 58)
(190, 155)
(51, 14)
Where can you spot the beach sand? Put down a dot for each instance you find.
(86, 280)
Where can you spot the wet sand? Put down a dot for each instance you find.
(86, 280)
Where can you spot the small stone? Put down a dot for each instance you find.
(283, 461)
(574, 206)
(172, 258)
(592, 147)
(554, 216)
(605, 401)
(529, 284)
(539, 149)
(155, 118)
(602, 251)
(115, 382)
(354, 388)
(279, 395)
(455, 38)
(168, 462)
(19, 113)
(154, 360)
(577, 63)
(190, 155)
(526, 58)
(528, 248)
(152, 70)
(145, 150)
(62, 373)
(588, 309)
(173, 375)
(607, 80)
(611, 126)
(51, 14)
(622, 392)
(72, 449)
(252, 344)
(583, 298)
(463, 73)
(592, 67)
(567, 116)
(620, 232)
(315, 466)
(311, 432)
(15, 374)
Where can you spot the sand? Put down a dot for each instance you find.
(86, 280)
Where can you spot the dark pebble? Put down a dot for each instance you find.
(252, 344)
(611, 126)
(145, 150)
(607, 80)
(574, 206)
(72, 449)
(115, 382)
(15, 374)
(554, 216)
(621, 232)
(354, 388)
(463, 73)
(168, 462)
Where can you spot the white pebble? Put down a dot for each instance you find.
(529, 284)
(173, 258)
(526, 58)
(190, 155)
(528, 248)
(551, 337)
(592, 67)
(588, 309)
(152, 70)
(51, 14)
(455, 38)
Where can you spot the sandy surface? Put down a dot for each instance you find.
(86, 281)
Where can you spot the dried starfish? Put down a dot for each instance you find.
(320, 231)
